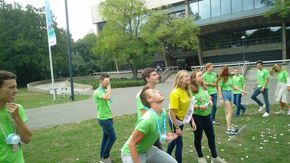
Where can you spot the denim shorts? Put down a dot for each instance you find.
(227, 95)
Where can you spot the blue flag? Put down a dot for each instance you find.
(49, 24)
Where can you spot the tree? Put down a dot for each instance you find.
(23, 43)
(164, 32)
(120, 38)
(282, 9)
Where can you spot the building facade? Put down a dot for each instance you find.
(230, 30)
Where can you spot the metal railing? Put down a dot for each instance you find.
(168, 71)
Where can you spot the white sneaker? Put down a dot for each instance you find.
(288, 112)
(266, 114)
(280, 112)
(217, 160)
(261, 108)
(201, 160)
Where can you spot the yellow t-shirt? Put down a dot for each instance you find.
(179, 102)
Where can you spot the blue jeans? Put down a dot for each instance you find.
(109, 137)
(265, 96)
(237, 101)
(178, 142)
(214, 102)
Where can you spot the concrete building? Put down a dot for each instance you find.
(231, 30)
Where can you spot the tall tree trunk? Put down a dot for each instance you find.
(134, 70)
(116, 64)
(199, 52)
(164, 55)
(284, 40)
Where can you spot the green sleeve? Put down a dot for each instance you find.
(267, 74)
(220, 83)
(22, 113)
(140, 106)
(143, 126)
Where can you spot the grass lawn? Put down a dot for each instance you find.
(263, 140)
(35, 99)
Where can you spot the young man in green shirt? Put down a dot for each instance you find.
(239, 84)
(150, 127)
(210, 78)
(262, 86)
(102, 97)
(151, 78)
(12, 121)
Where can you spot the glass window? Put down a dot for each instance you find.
(236, 5)
(194, 10)
(248, 4)
(259, 4)
(226, 7)
(215, 8)
(204, 9)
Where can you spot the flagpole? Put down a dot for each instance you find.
(51, 72)
(51, 41)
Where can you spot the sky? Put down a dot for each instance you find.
(79, 11)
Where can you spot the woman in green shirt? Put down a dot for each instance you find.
(201, 116)
(225, 85)
(281, 88)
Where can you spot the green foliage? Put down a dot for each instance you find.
(165, 32)
(23, 43)
(280, 7)
(120, 38)
(115, 83)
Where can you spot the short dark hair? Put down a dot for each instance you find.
(6, 75)
(146, 73)
(103, 76)
(259, 61)
(144, 96)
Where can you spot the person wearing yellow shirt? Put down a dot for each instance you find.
(179, 111)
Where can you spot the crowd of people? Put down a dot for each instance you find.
(193, 100)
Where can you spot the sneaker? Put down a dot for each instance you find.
(261, 108)
(234, 129)
(280, 112)
(106, 160)
(288, 112)
(215, 123)
(217, 160)
(244, 111)
(201, 160)
(231, 132)
(266, 114)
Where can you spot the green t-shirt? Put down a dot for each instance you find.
(282, 76)
(210, 78)
(201, 99)
(148, 126)
(226, 86)
(6, 151)
(140, 106)
(238, 81)
(262, 76)
(103, 105)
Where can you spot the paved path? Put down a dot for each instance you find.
(123, 103)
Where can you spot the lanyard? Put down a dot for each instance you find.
(13, 126)
(157, 121)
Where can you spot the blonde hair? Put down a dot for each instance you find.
(275, 70)
(208, 65)
(178, 81)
